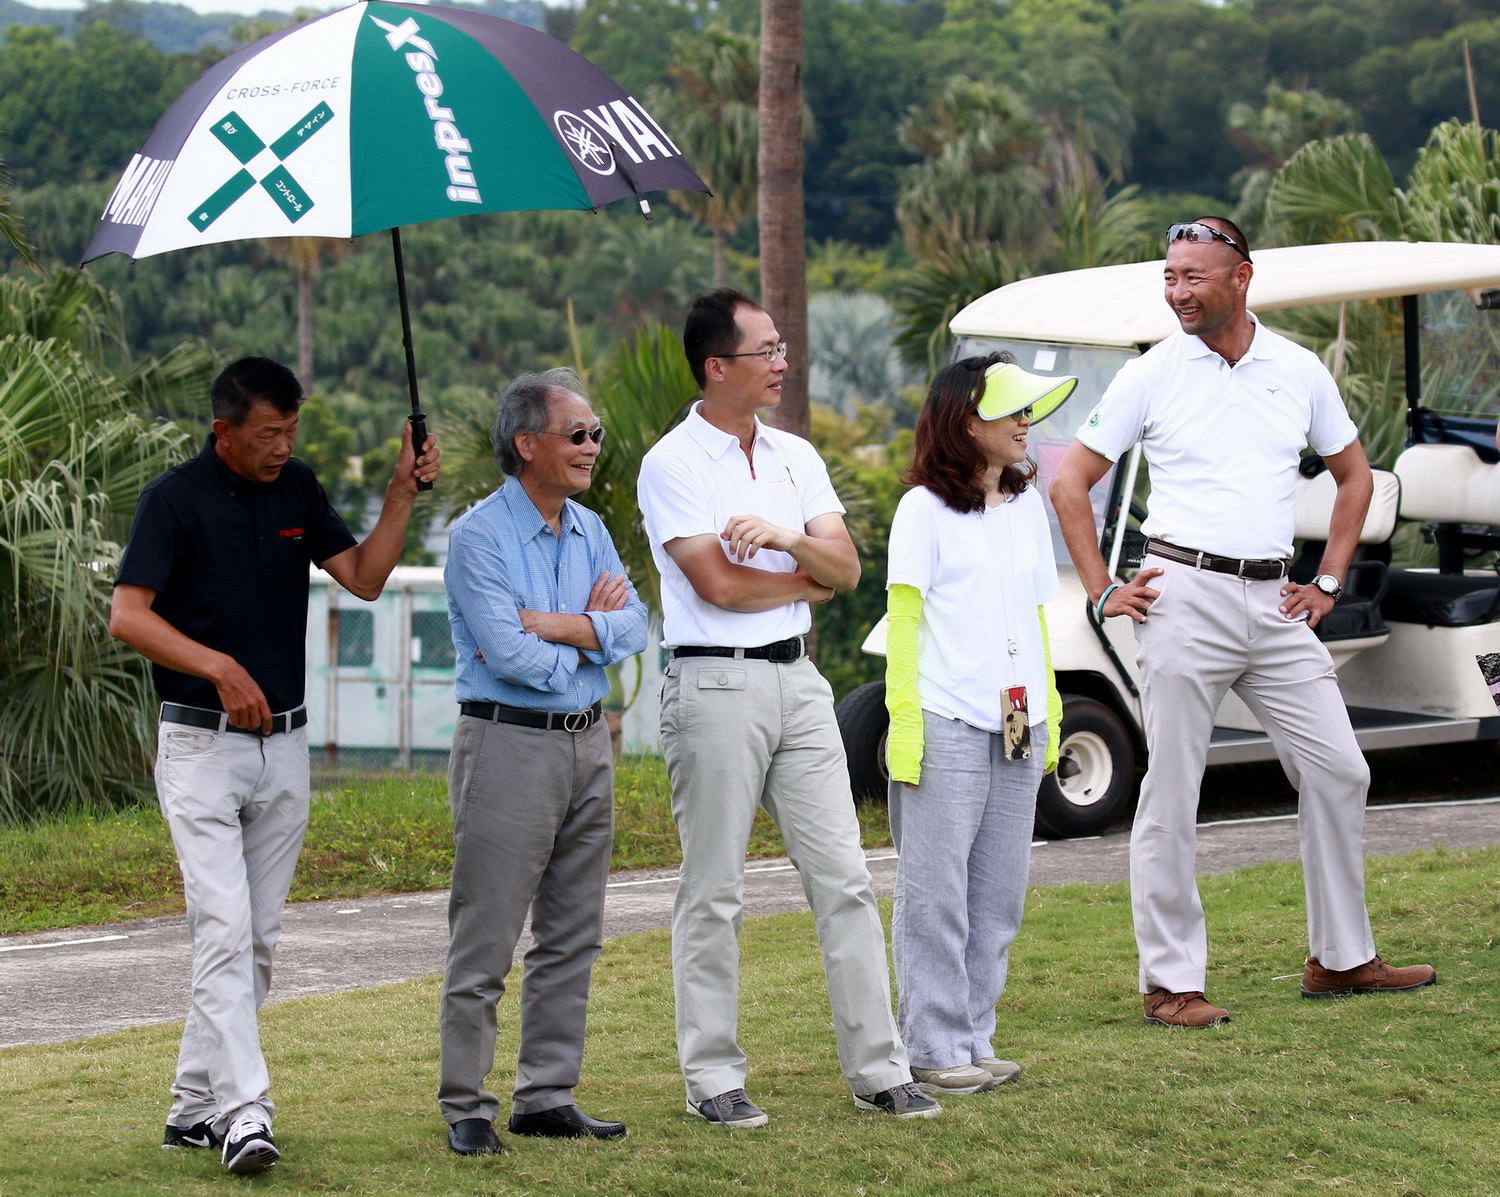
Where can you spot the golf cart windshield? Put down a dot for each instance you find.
(1094, 367)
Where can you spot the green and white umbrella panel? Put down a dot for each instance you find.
(380, 115)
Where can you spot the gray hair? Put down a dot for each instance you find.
(522, 408)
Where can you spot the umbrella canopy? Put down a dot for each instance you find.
(379, 115)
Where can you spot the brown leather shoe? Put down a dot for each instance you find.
(1164, 1009)
(1374, 976)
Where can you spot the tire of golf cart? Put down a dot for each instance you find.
(863, 724)
(1095, 776)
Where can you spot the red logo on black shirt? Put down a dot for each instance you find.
(291, 533)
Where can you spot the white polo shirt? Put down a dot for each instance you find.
(692, 482)
(982, 575)
(1222, 443)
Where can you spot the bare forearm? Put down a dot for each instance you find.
(830, 563)
(373, 558)
(1346, 522)
(561, 628)
(1075, 515)
(162, 644)
(748, 590)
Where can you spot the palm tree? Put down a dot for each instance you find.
(12, 236)
(937, 290)
(1270, 135)
(783, 220)
(980, 181)
(73, 459)
(714, 115)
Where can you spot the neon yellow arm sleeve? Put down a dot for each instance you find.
(903, 749)
(1054, 699)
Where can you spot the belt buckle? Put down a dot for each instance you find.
(1240, 572)
(576, 721)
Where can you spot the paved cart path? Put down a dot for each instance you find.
(58, 985)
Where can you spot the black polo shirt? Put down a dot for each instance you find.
(228, 560)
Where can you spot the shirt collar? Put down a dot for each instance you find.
(524, 512)
(715, 441)
(1260, 343)
(222, 474)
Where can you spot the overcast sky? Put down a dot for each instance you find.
(244, 8)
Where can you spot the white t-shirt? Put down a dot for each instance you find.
(982, 576)
(692, 482)
(1222, 443)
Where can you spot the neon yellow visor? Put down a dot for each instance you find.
(1009, 389)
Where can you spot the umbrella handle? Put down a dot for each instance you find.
(418, 418)
(418, 422)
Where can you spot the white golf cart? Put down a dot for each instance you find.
(1405, 641)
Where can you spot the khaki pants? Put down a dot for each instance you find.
(237, 809)
(1206, 634)
(533, 818)
(738, 734)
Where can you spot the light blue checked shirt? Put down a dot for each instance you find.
(503, 557)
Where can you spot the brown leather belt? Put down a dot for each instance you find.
(1264, 570)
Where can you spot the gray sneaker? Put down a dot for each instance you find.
(961, 1078)
(901, 1101)
(1001, 1070)
(732, 1110)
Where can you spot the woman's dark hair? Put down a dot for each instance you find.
(948, 460)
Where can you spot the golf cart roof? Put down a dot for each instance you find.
(1122, 305)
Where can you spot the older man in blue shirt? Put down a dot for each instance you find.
(539, 605)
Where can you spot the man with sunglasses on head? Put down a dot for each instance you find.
(1223, 410)
(748, 534)
(539, 605)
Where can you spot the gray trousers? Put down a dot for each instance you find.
(533, 818)
(964, 836)
(736, 735)
(1206, 634)
(237, 809)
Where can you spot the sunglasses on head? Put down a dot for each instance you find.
(1195, 231)
(579, 435)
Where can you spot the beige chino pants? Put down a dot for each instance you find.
(739, 734)
(1206, 634)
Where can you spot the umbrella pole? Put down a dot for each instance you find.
(418, 418)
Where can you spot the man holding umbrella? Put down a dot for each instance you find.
(213, 590)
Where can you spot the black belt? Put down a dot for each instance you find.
(208, 720)
(793, 648)
(570, 721)
(1265, 570)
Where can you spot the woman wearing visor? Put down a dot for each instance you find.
(974, 709)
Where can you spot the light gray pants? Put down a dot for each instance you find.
(237, 809)
(1206, 634)
(533, 817)
(964, 836)
(738, 734)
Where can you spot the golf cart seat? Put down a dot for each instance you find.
(1357, 614)
(1449, 487)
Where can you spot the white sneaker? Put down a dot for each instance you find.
(248, 1147)
(961, 1078)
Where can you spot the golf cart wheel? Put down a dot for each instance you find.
(863, 725)
(1095, 775)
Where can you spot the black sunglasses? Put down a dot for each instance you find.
(1194, 231)
(579, 435)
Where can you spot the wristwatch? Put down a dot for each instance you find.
(1329, 585)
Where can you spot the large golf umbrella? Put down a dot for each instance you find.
(379, 115)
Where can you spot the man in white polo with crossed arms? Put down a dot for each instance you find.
(1223, 410)
(747, 532)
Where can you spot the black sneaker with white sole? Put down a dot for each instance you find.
(732, 1110)
(200, 1134)
(900, 1101)
(249, 1148)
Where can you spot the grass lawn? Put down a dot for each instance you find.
(1393, 1095)
(387, 834)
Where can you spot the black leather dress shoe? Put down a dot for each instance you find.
(473, 1136)
(564, 1122)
